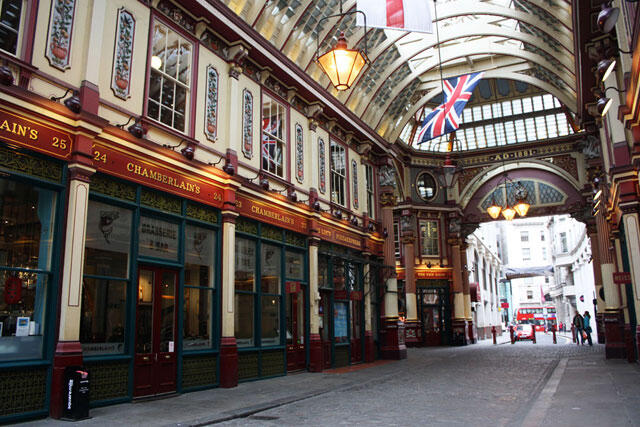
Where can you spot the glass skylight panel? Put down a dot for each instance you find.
(496, 110)
(556, 103)
(552, 126)
(527, 106)
(486, 112)
(530, 124)
(491, 138)
(500, 138)
(563, 127)
(471, 137)
(537, 103)
(541, 127)
(506, 108)
(477, 114)
(467, 114)
(517, 106)
(510, 131)
(548, 101)
(482, 141)
(521, 132)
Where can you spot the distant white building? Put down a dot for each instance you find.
(574, 287)
(484, 266)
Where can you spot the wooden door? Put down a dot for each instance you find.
(356, 331)
(155, 359)
(296, 354)
(431, 316)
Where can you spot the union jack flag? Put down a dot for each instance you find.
(446, 117)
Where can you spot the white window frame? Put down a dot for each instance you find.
(371, 190)
(338, 178)
(396, 239)
(21, 28)
(273, 131)
(177, 83)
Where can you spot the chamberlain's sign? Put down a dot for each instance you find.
(270, 214)
(34, 135)
(162, 177)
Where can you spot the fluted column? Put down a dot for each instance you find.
(597, 280)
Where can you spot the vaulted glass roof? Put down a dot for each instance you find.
(528, 41)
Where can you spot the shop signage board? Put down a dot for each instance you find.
(270, 214)
(621, 278)
(340, 237)
(35, 136)
(134, 167)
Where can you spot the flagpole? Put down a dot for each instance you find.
(444, 103)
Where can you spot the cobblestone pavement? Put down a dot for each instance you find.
(480, 385)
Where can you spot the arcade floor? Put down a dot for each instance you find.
(524, 384)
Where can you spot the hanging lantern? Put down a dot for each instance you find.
(522, 207)
(494, 209)
(508, 213)
(342, 65)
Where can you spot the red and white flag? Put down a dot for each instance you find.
(407, 15)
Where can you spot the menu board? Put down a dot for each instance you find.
(340, 322)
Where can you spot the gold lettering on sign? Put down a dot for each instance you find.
(20, 130)
(347, 239)
(271, 214)
(162, 178)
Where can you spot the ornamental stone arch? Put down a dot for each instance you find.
(552, 190)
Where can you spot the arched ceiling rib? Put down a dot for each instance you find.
(530, 41)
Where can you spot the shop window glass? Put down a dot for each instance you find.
(102, 324)
(169, 77)
(10, 25)
(158, 238)
(199, 288)
(271, 267)
(270, 320)
(107, 242)
(294, 264)
(26, 239)
(340, 324)
(338, 274)
(245, 265)
(244, 320)
(323, 272)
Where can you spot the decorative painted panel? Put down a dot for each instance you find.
(60, 29)
(299, 154)
(321, 167)
(211, 110)
(247, 124)
(177, 15)
(354, 173)
(123, 53)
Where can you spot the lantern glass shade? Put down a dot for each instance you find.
(603, 105)
(342, 65)
(605, 68)
(522, 207)
(508, 213)
(494, 210)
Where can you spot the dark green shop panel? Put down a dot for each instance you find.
(199, 371)
(108, 380)
(22, 390)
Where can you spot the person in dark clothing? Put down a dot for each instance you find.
(587, 327)
(578, 323)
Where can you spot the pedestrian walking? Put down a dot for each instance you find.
(587, 327)
(578, 323)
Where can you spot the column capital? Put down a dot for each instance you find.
(81, 172)
(229, 216)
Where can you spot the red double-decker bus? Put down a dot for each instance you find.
(543, 318)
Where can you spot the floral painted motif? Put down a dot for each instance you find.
(322, 168)
(123, 53)
(211, 110)
(247, 124)
(60, 28)
(299, 154)
(354, 173)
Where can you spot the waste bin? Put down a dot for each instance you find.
(76, 393)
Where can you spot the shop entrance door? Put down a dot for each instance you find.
(432, 315)
(296, 354)
(155, 359)
(356, 332)
(326, 328)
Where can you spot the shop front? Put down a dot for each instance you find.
(33, 176)
(271, 290)
(434, 311)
